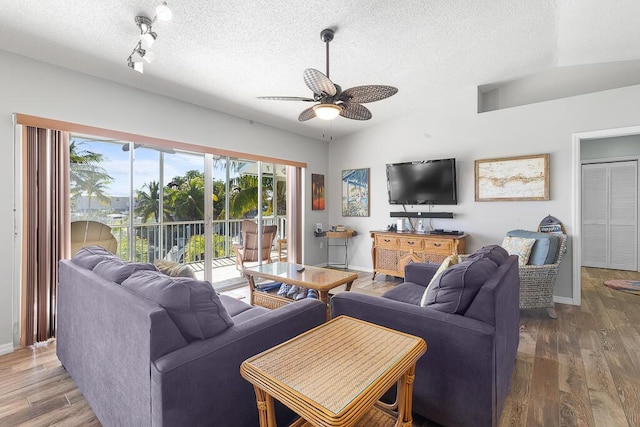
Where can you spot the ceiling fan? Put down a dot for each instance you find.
(332, 100)
(125, 147)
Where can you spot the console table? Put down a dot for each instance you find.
(392, 251)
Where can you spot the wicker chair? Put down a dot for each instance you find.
(538, 281)
(249, 250)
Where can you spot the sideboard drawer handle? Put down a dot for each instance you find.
(387, 240)
(437, 245)
(411, 243)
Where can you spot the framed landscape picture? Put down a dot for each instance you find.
(512, 178)
(355, 192)
(317, 192)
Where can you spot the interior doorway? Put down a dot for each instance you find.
(580, 142)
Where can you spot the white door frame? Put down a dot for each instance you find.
(576, 206)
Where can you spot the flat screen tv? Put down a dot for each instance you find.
(429, 182)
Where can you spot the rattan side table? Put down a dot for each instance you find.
(334, 375)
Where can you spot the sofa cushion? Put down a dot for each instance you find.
(495, 253)
(454, 290)
(544, 250)
(117, 270)
(193, 305)
(520, 246)
(408, 292)
(448, 262)
(89, 256)
(174, 269)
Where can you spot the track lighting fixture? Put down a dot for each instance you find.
(147, 37)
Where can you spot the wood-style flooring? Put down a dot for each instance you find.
(582, 369)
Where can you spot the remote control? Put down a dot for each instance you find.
(300, 270)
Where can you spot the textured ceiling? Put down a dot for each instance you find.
(223, 54)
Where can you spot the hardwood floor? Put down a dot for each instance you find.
(582, 369)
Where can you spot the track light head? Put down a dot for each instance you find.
(163, 12)
(147, 38)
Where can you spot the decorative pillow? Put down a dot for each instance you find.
(520, 246)
(89, 256)
(117, 270)
(448, 262)
(454, 290)
(174, 269)
(544, 250)
(193, 305)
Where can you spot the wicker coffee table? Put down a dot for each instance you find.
(335, 374)
(320, 279)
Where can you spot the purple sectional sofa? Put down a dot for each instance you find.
(470, 323)
(146, 349)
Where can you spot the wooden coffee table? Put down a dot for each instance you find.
(320, 279)
(335, 374)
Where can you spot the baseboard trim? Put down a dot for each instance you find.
(6, 348)
(564, 300)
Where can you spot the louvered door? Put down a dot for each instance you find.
(610, 215)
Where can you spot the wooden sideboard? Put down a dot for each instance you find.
(392, 251)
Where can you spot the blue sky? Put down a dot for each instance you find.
(116, 162)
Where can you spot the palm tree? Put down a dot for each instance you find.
(91, 185)
(148, 203)
(244, 196)
(185, 197)
(86, 175)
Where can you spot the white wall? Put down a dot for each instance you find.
(39, 89)
(454, 129)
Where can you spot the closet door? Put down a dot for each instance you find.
(594, 215)
(609, 215)
(623, 220)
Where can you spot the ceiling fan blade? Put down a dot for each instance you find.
(286, 98)
(355, 111)
(125, 147)
(368, 93)
(307, 114)
(318, 82)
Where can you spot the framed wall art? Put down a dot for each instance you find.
(512, 178)
(355, 192)
(317, 192)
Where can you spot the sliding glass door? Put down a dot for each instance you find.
(179, 206)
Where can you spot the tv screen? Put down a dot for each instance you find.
(430, 182)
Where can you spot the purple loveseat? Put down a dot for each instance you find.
(464, 377)
(140, 358)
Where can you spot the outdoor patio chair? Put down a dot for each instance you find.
(92, 233)
(249, 251)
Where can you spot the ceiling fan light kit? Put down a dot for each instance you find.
(332, 100)
(147, 37)
(327, 111)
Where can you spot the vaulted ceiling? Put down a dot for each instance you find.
(222, 54)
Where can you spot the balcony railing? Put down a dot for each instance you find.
(183, 242)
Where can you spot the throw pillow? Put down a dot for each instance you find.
(174, 269)
(520, 246)
(448, 262)
(89, 256)
(193, 305)
(544, 250)
(117, 270)
(454, 290)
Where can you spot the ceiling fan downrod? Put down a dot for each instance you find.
(326, 36)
